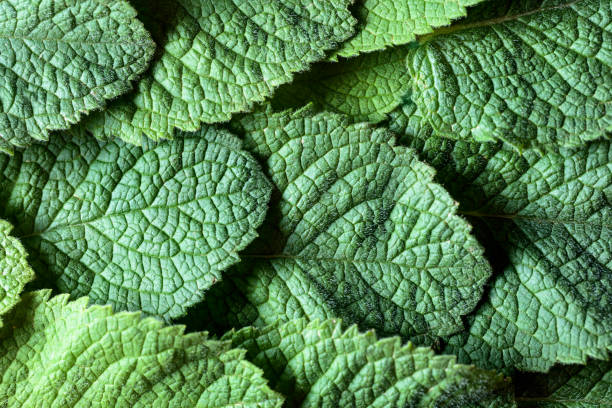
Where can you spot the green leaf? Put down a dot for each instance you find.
(528, 72)
(63, 59)
(318, 365)
(220, 57)
(59, 354)
(366, 88)
(383, 23)
(362, 234)
(142, 228)
(587, 386)
(546, 222)
(14, 269)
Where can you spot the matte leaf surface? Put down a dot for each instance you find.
(587, 386)
(220, 57)
(550, 216)
(59, 354)
(318, 364)
(528, 72)
(383, 23)
(14, 269)
(63, 59)
(362, 233)
(142, 228)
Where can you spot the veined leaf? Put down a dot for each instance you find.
(530, 73)
(142, 228)
(318, 364)
(587, 386)
(362, 233)
(366, 88)
(59, 354)
(551, 218)
(220, 57)
(383, 23)
(14, 269)
(63, 59)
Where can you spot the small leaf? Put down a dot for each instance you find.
(318, 365)
(220, 57)
(14, 269)
(142, 228)
(529, 73)
(60, 354)
(63, 59)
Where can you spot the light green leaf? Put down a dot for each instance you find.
(383, 23)
(142, 228)
(587, 386)
(362, 233)
(14, 269)
(220, 57)
(63, 59)
(318, 365)
(59, 354)
(530, 73)
(546, 220)
(366, 88)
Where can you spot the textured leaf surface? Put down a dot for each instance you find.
(551, 218)
(14, 269)
(143, 228)
(318, 365)
(567, 387)
(62, 59)
(362, 234)
(218, 58)
(365, 88)
(383, 23)
(531, 73)
(59, 354)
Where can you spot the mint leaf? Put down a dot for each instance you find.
(218, 58)
(142, 228)
(63, 59)
(359, 231)
(56, 353)
(383, 23)
(366, 88)
(587, 386)
(318, 364)
(549, 217)
(14, 269)
(530, 73)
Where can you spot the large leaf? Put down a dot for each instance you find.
(383, 23)
(587, 386)
(318, 364)
(220, 57)
(551, 218)
(366, 88)
(14, 269)
(362, 233)
(528, 72)
(62, 59)
(143, 228)
(59, 354)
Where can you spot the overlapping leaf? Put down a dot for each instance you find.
(383, 23)
(59, 354)
(14, 269)
(530, 73)
(551, 218)
(362, 233)
(318, 364)
(143, 228)
(219, 57)
(62, 59)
